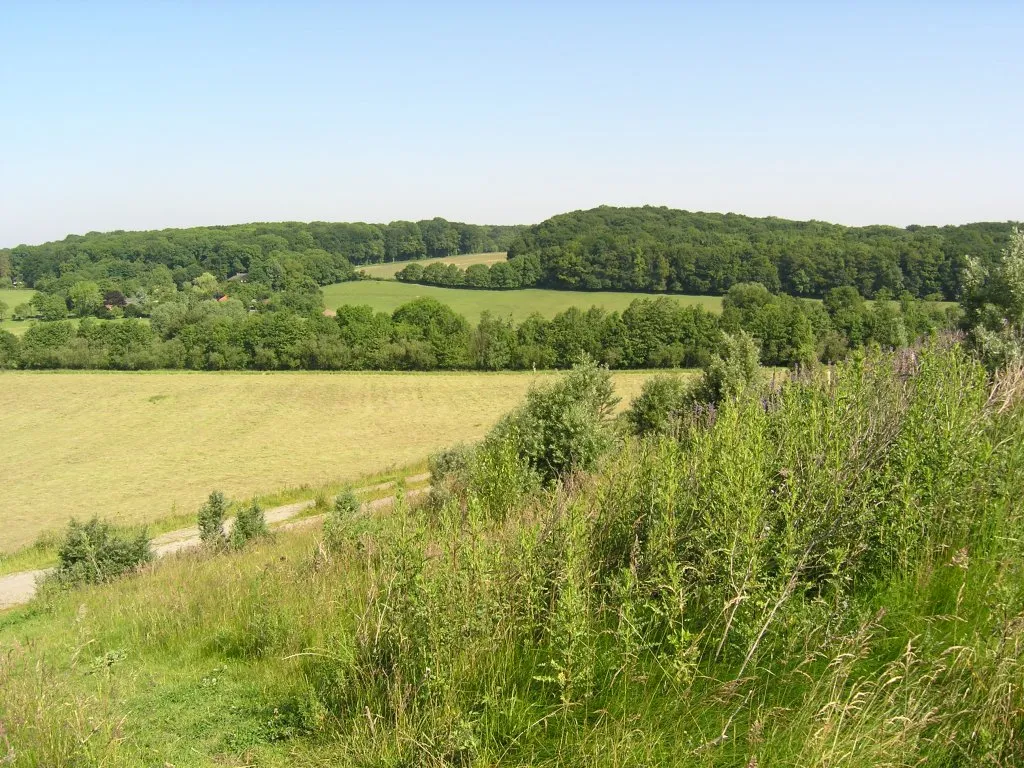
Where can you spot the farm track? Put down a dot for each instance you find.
(19, 588)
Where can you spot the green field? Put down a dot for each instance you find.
(143, 446)
(12, 297)
(386, 296)
(388, 271)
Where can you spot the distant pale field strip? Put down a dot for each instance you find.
(139, 446)
(388, 271)
(386, 296)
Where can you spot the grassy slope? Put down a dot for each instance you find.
(449, 642)
(12, 298)
(387, 271)
(387, 295)
(137, 447)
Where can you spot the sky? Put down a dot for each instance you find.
(167, 114)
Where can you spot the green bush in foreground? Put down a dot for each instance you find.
(564, 427)
(95, 552)
(666, 402)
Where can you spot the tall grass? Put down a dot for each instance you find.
(825, 575)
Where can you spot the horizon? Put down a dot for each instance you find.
(491, 223)
(135, 118)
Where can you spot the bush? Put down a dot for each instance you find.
(563, 427)
(249, 524)
(346, 506)
(450, 463)
(9, 350)
(96, 551)
(656, 409)
(993, 305)
(211, 521)
(501, 478)
(450, 471)
(733, 371)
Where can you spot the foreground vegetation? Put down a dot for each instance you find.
(826, 572)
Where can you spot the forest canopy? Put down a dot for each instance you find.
(620, 249)
(661, 249)
(323, 251)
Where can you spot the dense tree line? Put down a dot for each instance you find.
(323, 251)
(521, 272)
(659, 249)
(197, 331)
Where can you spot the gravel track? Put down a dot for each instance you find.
(19, 588)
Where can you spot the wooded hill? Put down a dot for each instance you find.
(661, 249)
(625, 249)
(319, 249)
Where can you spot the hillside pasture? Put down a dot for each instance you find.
(12, 297)
(389, 270)
(386, 296)
(136, 447)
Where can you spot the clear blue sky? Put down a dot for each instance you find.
(156, 114)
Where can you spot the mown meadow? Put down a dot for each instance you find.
(14, 298)
(137, 447)
(818, 572)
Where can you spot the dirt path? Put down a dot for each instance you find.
(19, 588)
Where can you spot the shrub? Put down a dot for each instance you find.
(96, 552)
(732, 371)
(563, 427)
(249, 524)
(449, 474)
(9, 350)
(450, 463)
(993, 305)
(656, 409)
(211, 521)
(501, 478)
(346, 505)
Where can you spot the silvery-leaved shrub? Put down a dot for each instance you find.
(993, 304)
